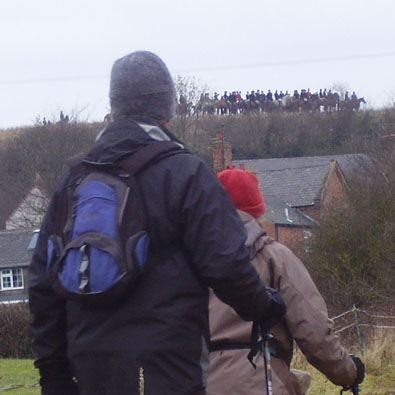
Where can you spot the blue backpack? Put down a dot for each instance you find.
(100, 246)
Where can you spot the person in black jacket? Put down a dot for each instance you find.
(155, 340)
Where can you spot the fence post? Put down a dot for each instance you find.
(358, 328)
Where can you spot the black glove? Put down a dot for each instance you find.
(57, 379)
(275, 312)
(58, 387)
(360, 370)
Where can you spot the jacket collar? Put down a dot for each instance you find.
(255, 233)
(125, 136)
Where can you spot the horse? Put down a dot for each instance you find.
(314, 103)
(233, 108)
(351, 105)
(206, 106)
(357, 103)
(251, 106)
(330, 102)
(290, 103)
(271, 106)
(221, 106)
(183, 108)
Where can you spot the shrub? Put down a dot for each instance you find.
(353, 251)
(14, 331)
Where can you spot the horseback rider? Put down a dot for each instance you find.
(346, 96)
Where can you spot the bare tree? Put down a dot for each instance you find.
(186, 122)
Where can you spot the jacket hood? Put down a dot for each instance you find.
(125, 136)
(254, 241)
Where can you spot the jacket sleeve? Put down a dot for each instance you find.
(214, 237)
(307, 318)
(48, 325)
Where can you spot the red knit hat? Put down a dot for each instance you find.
(243, 190)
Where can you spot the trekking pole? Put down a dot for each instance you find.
(266, 336)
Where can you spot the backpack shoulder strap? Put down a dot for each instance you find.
(75, 160)
(149, 154)
(76, 168)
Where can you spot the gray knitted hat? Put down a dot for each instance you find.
(142, 85)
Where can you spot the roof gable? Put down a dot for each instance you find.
(30, 211)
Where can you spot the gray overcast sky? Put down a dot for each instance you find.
(58, 54)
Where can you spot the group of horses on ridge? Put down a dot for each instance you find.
(313, 103)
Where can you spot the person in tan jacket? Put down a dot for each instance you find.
(306, 320)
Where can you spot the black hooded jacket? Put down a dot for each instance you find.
(155, 340)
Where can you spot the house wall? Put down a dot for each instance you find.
(291, 236)
(335, 192)
(312, 211)
(269, 227)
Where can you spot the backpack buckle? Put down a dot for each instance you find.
(84, 269)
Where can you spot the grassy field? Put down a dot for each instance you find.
(18, 376)
(379, 359)
(375, 383)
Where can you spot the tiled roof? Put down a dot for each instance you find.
(346, 162)
(297, 181)
(13, 248)
(297, 187)
(13, 298)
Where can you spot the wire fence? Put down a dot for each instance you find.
(359, 318)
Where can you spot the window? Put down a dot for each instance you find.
(306, 235)
(11, 279)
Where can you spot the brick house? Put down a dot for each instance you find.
(15, 255)
(298, 190)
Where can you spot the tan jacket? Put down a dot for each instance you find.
(306, 322)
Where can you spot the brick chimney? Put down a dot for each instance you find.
(222, 153)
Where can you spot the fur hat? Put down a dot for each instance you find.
(142, 85)
(243, 189)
